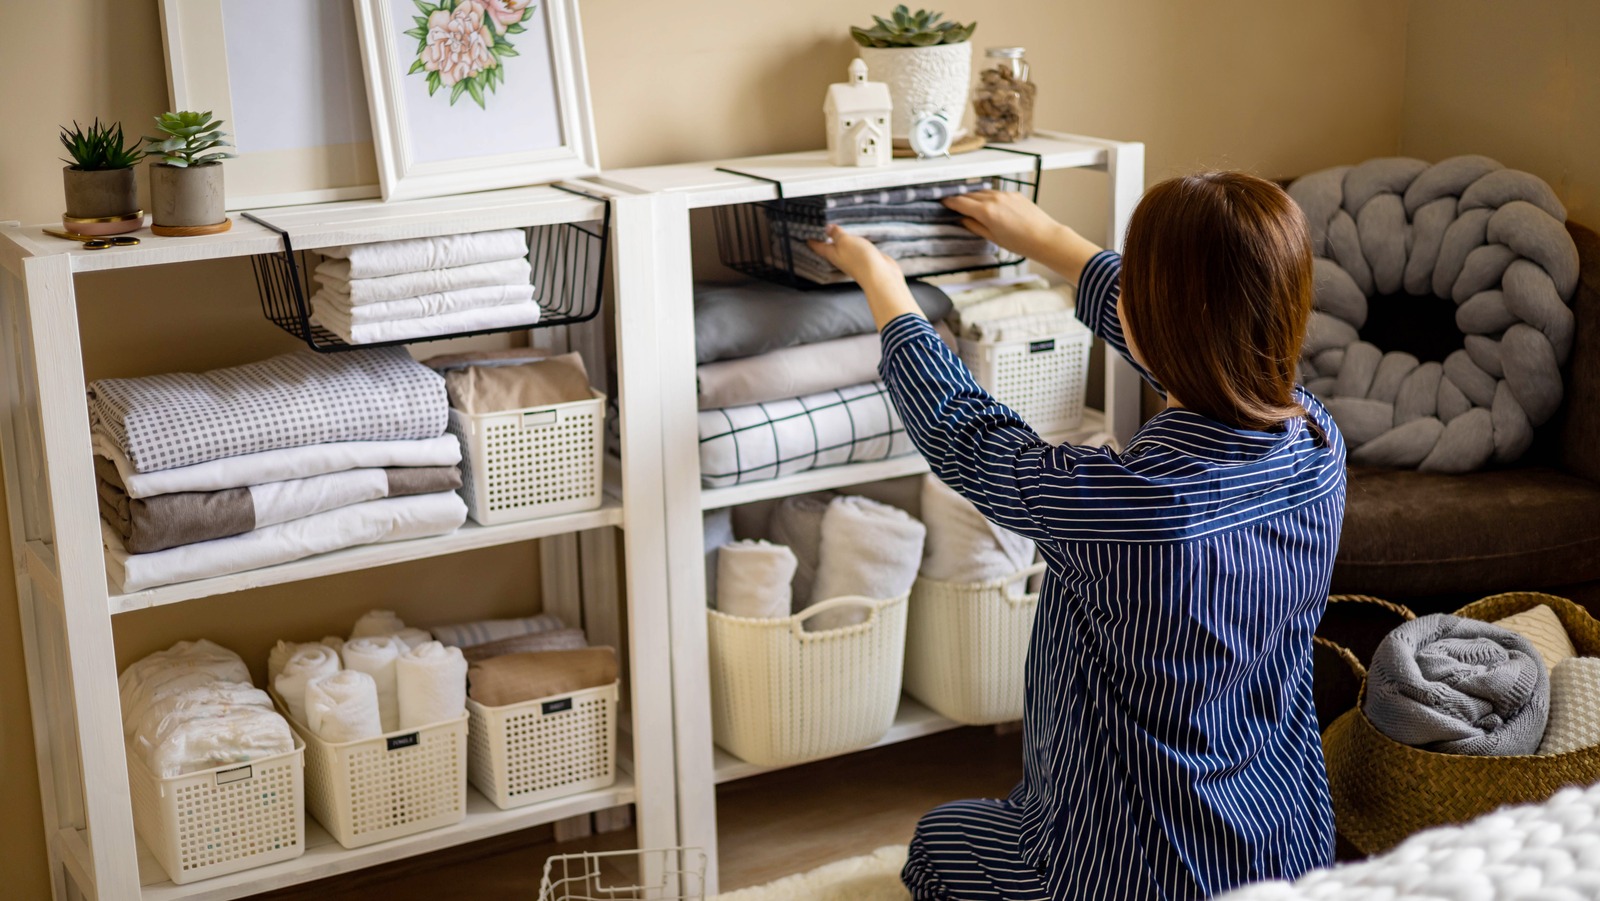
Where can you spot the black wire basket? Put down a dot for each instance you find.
(568, 261)
(756, 238)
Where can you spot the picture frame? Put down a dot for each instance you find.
(285, 79)
(448, 79)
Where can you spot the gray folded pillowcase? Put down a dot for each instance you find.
(750, 318)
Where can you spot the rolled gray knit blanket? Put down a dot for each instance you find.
(1458, 686)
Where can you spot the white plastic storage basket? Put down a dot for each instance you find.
(782, 695)
(664, 874)
(532, 462)
(375, 789)
(542, 749)
(1042, 378)
(967, 645)
(221, 820)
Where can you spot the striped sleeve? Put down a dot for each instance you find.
(1098, 290)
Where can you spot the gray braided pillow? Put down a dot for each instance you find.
(1396, 230)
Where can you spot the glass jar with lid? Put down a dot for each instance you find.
(1004, 98)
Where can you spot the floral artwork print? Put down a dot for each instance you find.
(461, 43)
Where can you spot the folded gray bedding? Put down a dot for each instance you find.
(749, 318)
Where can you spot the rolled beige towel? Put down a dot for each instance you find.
(869, 550)
(375, 655)
(343, 707)
(753, 579)
(516, 678)
(432, 684)
(307, 663)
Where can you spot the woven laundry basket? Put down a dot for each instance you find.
(781, 695)
(967, 647)
(1383, 791)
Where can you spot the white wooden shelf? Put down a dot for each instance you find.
(912, 720)
(830, 477)
(467, 538)
(325, 857)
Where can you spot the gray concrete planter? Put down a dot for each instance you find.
(100, 193)
(189, 196)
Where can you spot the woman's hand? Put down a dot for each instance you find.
(1014, 222)
(879, 276)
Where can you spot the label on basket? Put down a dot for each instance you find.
(537, 418)
(404, 741)
(237, 774)
(559, 705)
(1039, 347)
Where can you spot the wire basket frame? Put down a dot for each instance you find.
(754, 239)
(568, 261)
(675, 874)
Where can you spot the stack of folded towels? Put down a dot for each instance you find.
(1012, 310)
(205, 474)
(425, 287)
(192, 707)
(517, 660)
(909, 224)
(1462, 686)
(384, 678)
(788, 380)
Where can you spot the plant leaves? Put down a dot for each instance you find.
(457, 91)
(416, 66)
(507, 50)
(420, 34)
(475, 91)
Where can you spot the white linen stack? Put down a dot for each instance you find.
(425, 287)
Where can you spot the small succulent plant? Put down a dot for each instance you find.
(101, 147)
(905, 28)
(188, 139)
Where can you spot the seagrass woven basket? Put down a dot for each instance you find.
(1383, 791)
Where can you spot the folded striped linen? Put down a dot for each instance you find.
(422, 305)
(793, 371)
(889, 196)
(916, 257)
(483, 631)
(749, 318)
(278, 465)
(757, 442)
(876, 230)
(170, 520)
(789, 213)
(371, 522)
(824, 273)
(429, 281)
(386, 258)
(504, 316)
(295, 399)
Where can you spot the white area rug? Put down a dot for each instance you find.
(875, 877)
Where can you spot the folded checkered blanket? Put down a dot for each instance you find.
(780, 438)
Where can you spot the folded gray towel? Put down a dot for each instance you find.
(1459, 686)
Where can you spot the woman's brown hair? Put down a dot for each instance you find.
(1216, 293)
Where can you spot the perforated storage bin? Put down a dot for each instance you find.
(532, 462)
(781, 695)
(221, 820)
(543, 749)
(967, 645)
(375, 789)
(1042, 378)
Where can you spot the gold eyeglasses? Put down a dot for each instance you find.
(92, 243)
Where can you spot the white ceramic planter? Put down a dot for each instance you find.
(923, 80)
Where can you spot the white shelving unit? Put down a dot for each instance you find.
(69, 609)
(673, 192)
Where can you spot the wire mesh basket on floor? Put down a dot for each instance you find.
(655, 874)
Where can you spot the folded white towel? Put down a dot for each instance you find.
(377, 622)
(192, 659)
(754, 579)
(869, 550)
(421, 306)
(504, 316)
(171, 700)
(483, 631)
(223, 735)
(343, 707)
(420, 254)
(283, 650)
(305, 664)
(433, 685)
(375, 655)
(796, 523)
(387, 288)
(962, 545)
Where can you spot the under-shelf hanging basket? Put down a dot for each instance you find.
(568, 261)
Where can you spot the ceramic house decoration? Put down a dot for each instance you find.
(857, 115)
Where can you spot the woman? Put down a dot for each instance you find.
(1170, 742)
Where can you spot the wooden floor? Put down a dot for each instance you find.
(770, 826)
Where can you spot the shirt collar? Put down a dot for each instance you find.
(1193, 434)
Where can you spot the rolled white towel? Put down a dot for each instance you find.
(375, 655)
(283, 650)
(214, 736)
(869, 550)
(308, 663)
(433, 684)
(377, 622)
(147, 720)
(754, 578)
(963, 545)
(413, 636)
(182, 658)
(343, 707)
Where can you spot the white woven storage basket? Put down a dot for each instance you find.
(546, 748)
(966, 647)
(399, 783)
(1043, 378)
(532, 462)
(782, 695)
(221, 820)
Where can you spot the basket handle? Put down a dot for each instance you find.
(798, 621)
(1022, 575)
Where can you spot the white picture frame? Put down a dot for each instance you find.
(536, 108)
(301, 129)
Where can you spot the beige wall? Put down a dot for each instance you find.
(1276, 87)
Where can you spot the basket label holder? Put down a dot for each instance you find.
(559, 705)
(538, 419)
(237, 774)
(1044, 346)
(397, 742)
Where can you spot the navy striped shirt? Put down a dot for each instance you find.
(1171, 743)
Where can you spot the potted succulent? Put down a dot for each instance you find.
(925, 60)
(102, 193)
(186, 177)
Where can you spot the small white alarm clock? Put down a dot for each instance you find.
(930, 135)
